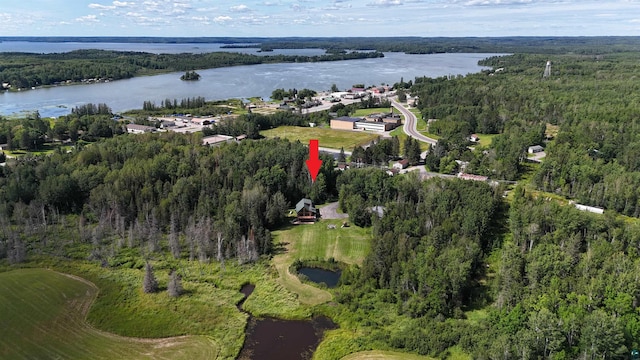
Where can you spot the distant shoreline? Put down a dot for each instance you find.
(406, 44)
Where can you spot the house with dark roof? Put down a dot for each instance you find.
(306, 212)
(535, 149)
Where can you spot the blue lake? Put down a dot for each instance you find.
(231, 82)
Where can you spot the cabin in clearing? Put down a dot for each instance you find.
(306, 212)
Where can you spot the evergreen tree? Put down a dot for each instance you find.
(342, 157)
(149, 284)
(174, 286)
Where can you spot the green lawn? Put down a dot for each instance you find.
(365, 112)
(43, 317)
(329, 138)
(485, 140)
(315, 241)
(207, 308)
(384, 355)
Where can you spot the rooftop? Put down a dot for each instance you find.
(348, 118)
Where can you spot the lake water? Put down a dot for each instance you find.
(234, 82)
(154, 48)
(328, 277)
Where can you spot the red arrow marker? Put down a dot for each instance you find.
(314, 161)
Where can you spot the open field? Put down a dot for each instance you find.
(44, 314)
(329, 138)
(384, 355)
(485, 140)
(314, 241)
(365, 112)
(208, 306)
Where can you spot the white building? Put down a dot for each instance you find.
(139, 129)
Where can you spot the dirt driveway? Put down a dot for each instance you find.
(330, 211)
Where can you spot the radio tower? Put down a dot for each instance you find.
(547, 70)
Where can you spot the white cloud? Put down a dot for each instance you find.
(87, 19)
(385, 3)
(122, 3)
(223, 19)
(240, 8)
(101, 7)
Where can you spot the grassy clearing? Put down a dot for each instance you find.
(485, 140)
(384, 355)
(207, 307)
(365, 112)
(329, 138)
(44, 317)
(314, 241)
(45, 149)
(551, 131)
(456, 353)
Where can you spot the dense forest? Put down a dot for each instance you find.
(149, 184)
(24, 70)
(592, 100)
(498, 270)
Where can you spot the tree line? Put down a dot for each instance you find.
(24, 70)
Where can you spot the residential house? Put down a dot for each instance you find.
(535, 149)
(306, 212)
(474, 138)
(402, 164)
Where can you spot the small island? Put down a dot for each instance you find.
(190, 76)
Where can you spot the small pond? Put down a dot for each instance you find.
(317, 275)
(276, 339)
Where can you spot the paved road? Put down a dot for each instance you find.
(411, 123)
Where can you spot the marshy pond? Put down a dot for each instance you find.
(269, 338)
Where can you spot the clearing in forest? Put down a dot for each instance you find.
(44, 314)
(349, 245)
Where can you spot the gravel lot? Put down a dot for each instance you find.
(331, 212)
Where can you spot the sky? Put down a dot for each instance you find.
(324, 18)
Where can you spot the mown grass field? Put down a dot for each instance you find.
(329, 138)
(315, 241)
(485, 140)
(365, 112)
(43, 317)
(384, 355)
(206, 308)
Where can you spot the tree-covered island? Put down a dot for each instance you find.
(190, 76)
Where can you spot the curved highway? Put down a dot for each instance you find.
(411, 123)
